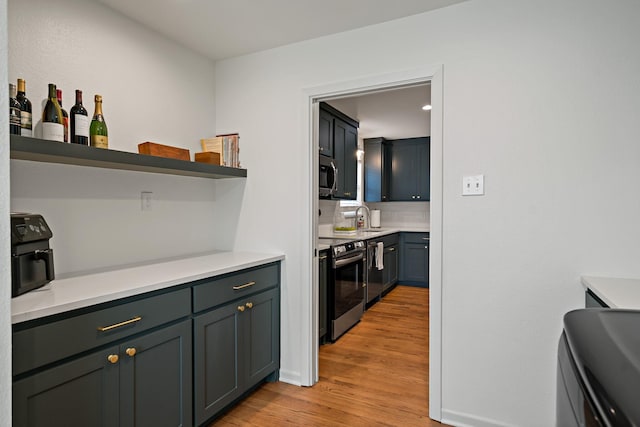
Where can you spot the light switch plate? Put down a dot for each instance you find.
(473, 185)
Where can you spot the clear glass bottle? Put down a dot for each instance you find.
(52, 118)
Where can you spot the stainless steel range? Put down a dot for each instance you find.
(346, 287)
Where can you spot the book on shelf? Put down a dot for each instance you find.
(228, 146)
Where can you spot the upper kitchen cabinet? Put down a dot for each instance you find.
(376, 169)
(325, 133)
(341, 131)
(409, 175)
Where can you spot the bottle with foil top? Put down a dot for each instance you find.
(26, 123)
(52, 118)
(14, 111)
(98, 131)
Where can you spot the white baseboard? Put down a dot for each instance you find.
(290, 377)
(460, 419)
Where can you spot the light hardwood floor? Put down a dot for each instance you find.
(374, 375)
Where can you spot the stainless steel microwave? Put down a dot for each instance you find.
(328, 177)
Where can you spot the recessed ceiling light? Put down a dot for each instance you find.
(427, 107)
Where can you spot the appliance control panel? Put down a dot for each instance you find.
(29, 228)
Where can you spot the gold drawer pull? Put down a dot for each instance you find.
(249, 305)
(131, 351)
(246, 285)
(113, 358)
(117, 325)
(241, 308)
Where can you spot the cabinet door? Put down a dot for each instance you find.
(345, 145)
(322, 300)
(216, 347)
(415, 262)
(80, 393)
(376, 170)
(325, 134)
(261, 328)
(410, 170)
(155, 378)
(390, 266)
(424, 176)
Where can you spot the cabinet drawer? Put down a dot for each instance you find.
(390, 239)
(415, 237)
(40, 345)
(224, 289)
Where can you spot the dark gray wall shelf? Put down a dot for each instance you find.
(40, 150)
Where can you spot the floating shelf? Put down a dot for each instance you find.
(40, 150)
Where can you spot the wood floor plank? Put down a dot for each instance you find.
(377, 374)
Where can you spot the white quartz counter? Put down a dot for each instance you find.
(371, 233)
(615, 292)
(82, 291)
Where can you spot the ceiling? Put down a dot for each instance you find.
(392, 114)
(221, 29)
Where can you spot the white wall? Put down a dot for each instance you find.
(5, 273)
(541, 98)
(153, 90)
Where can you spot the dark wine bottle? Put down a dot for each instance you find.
(65, 116)
(52, 119)
(98, 129)
(14, 111)
(25, 110)
(79, 120)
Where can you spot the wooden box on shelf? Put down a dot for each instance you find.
(208, 157)
(154, 149)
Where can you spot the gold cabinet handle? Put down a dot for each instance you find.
(249, 305)
(392, 249)
(117, 325)
(241, 308)
(113, 358)
(131, 351)
(246, 285)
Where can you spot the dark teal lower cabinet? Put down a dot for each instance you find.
(145, 381)
(236, 347)
(84, 392)
(151, 360)
(156, 378)
(414, 256)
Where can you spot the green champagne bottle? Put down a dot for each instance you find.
(98, 130)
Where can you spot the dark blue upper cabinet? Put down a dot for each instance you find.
(338, 135)
(409, 176)
(376, 170)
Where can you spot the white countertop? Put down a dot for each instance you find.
(82, 291)
(371, 233)
(615, 292)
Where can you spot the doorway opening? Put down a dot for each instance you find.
(342, 95)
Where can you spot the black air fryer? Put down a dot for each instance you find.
(31, 257)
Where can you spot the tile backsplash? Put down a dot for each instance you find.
(392, 214)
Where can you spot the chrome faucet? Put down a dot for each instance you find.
(368, 215)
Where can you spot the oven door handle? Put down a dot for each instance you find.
(344, 261)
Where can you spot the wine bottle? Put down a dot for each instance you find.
(98, 130)
(25, 110)
(52, 119)
(14, 111)
(65, 116)
(79, 119)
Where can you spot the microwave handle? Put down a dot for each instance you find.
(334, 187)
(46, 255)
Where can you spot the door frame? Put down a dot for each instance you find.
(310, 108)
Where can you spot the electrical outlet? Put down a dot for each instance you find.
(145, 200)
(473, 185)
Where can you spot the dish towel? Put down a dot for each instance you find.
(380, 256)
